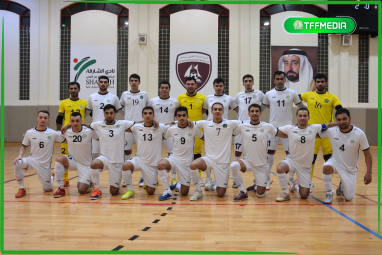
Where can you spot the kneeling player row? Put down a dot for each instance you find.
(217, 136)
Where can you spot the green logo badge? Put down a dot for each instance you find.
(189, 134)
(118, 126)
(298, 25)
(84, 136)
(254, 96)
(225, 101)
(310, 131)
(141, 97)
(224, 125)
(170, 104)
(288, 96)
(49, 137)
(154, 130)
(326, 100)
(81, 106)
(337, 25)
(262, 130)
(108, 101)
(352, 141)
(83, 63)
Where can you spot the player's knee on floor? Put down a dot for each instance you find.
(47, 187)
(327, 157)
(348, 197)
(150, 190)
(220, 191)
(260, 191)
(314, 159)
(304, 193)
(83, 189)
(114, 190)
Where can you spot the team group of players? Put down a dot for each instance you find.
(106, 143)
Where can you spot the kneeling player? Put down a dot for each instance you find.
(41, 139)
(346, 141)
(255, 139)
(181, 157)
(79, 140)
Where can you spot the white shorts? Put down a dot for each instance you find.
(169, 143)
(43, 171)
(274, 141)
(83, 171)
(183, 171)
(130, 139)
(115, 171)
(304, 175)
(238, 143)
(221, 171)
(260, 172)
(348, 179)
(150, 173)
(95, 146)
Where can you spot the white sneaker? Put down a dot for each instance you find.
(207, 187)
(269, 182)
(328, 199)
(201, 182)
(197, 195)
(283, 197)
(291, 186)
(311, 187)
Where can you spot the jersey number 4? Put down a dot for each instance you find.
(342, 148)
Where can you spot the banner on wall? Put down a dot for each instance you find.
(299, 63)
(198, 61)
(88, 62)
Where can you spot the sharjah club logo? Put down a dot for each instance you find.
(141, 97)
(287, 96)
(170, 104)
(49, 137)
(224, 125)
(194, 64)
(154, 130)
(225, 101)
(198, 101)
(326, 100)
(310, 131)
(261, 130)
(189, 134)
(108, 101)
(352, 141)
(254, 96)
(84, 136)
(118, 126)
(82, 65)
(298, 25)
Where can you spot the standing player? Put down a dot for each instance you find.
(243, 100)
(133, 101)
(79, 140)
(181, 157)
(346, 141)
(41, 139)
(218, 136)
(97, 102)
(149, 150)
(255, 138)
(66, 108)
(280, 101)
(301, 148)
(321, 105)
(194, 102)
(164, 106)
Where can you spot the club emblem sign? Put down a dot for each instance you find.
(194, 64)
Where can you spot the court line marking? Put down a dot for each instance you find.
(345, 216)
(118, 248)
(24, 177)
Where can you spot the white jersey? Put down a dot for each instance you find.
(164, 109)
(301, 143)
(134, 102)
(346, 146)
(218, 139)
(255, 139)
(245, 99)
(112, 139)
(42, 144)
(80, 144)
(149, 142)
(184, 139)
(226, 100)
(280, 103)
(97, 102)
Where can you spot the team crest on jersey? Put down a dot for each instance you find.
(326, 100)
(254, 96)
(189, 134)
(198, 101)
(108, 101)
(225, 101)
(352, 141)
(288, 96)
(154, 130)
(49, 137)
(84, 136)
(118, 126)
(171, 105)
(81, 106)
(310, 131)
(224, 125)
(262, 130)
(141, 97)
(194, 64)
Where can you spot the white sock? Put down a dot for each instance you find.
(141, 175)
(214, 189)
(127, 157)
(328, 179)
(263, 195)
(164, 179)
(173, 173)
(291, 176)
(51, 181)
(128, 178)
(19, 174)
(283, 180)
(178, 185)
(95, 178)
(208, 173)
(195, 179)
(59, 170)
(235, 169)
(95, 155)
(236, 158)
(271, 159)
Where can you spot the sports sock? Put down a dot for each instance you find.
(283, 180)
(313, 165)
(141, 175)
(164, 179)
(208, 174)
(128, 178)
(235, 169)
(327, 178)
(195, 179)
(291, 176)
(127, 157)
(173, 173)
(263, 195)
(214, 189)
(95, 178)
(178, 185)
(66, 175)
(19, 174)
(236, 158)
(200, 173)
(271, 159)
(51, 181)
(59, 170)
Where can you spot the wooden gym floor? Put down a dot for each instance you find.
(74, 222)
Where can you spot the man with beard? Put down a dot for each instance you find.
(346, 141)
(298, 70)
(66, 108)
(321, 105)
(96, 103)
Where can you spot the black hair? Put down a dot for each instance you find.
(164, 82)
(341, 111)
(181, 109)
(320, 76)
(134, 75)
(278, 73)
(103, 77)
(190, 79)
(44, 111)
(74, 83)
(75, 114)
(217, 103)
(109, 106)
(254, 105)
(248, 76)
(148, 108)
(218, 80)
(302, 109)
